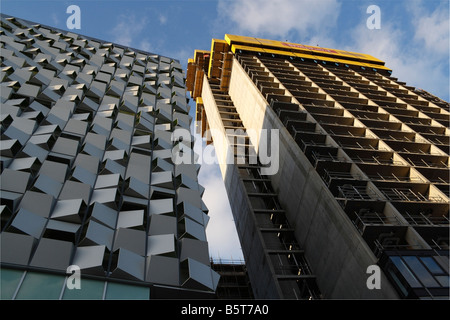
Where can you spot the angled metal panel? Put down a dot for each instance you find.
(130, 239)
(75, 190)
(29, 223)
(104, 215)
(107, 180)
(90, 259)
(162, 224)
(195, 249)
(130, 266)
(131, 219)
(196, 275)
(14, 181)
(162, 206)
(55, 170)
(16, 248)
(163, 270)
(52, 254)
(164, 244)
(71, 210)
(98, 234)
(61, 230)
(31, 199)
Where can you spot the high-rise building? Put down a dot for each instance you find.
(336, 171)
(93, 203)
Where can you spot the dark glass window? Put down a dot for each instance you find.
(90, 289)
(10, 279)
(119, 291)
(406, 273)
(431, 264)
(443, 280)
(420, 271)
(40, 286)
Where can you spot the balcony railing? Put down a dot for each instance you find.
(374, 218)
(331, 175)
(349, 192)
(406, 194)
(421, 220)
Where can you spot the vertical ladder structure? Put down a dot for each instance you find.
(284, 259)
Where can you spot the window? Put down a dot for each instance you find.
(405, 272)
(90, 290)
(443, 280)
(10, 279)
(40, 286)
(431, 264)
(420, 271)
(118, 291)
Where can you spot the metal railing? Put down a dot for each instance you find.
(393, 177)
(326, 157)
(374, 218)
(350, 192)
(406, 194)
(394, 245)
(421, 219)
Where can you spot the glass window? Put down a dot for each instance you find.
(406, 273)
(9, 281)
(399, 283)
(41, 286)
(431, 264)
(443, 280)
(90, 290)
(119, 291)
(420, 271)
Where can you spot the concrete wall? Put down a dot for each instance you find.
(339, 256)
(259, 268)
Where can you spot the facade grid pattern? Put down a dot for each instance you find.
(364, 161)
(87, 173)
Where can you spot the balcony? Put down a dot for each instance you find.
(416, 193)
(362, 143)
(348, 192)
(365, 219)
(421, 219)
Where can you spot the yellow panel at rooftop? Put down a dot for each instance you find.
(300, 48)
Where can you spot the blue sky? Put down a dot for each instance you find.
(413, 40)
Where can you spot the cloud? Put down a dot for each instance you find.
(417, 57)
(279, 18)
(128, 29)
(55, 19)
(221, 231)
(182, 54)
(433, 29)
(145, 45)
(162, 19)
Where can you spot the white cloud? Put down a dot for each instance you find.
(145, 45)
(433, 30)
(183, 54)
(221, 231)
(278, 18)
(127, 29)
(418, 62)
(55, 19)
(162, 19)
